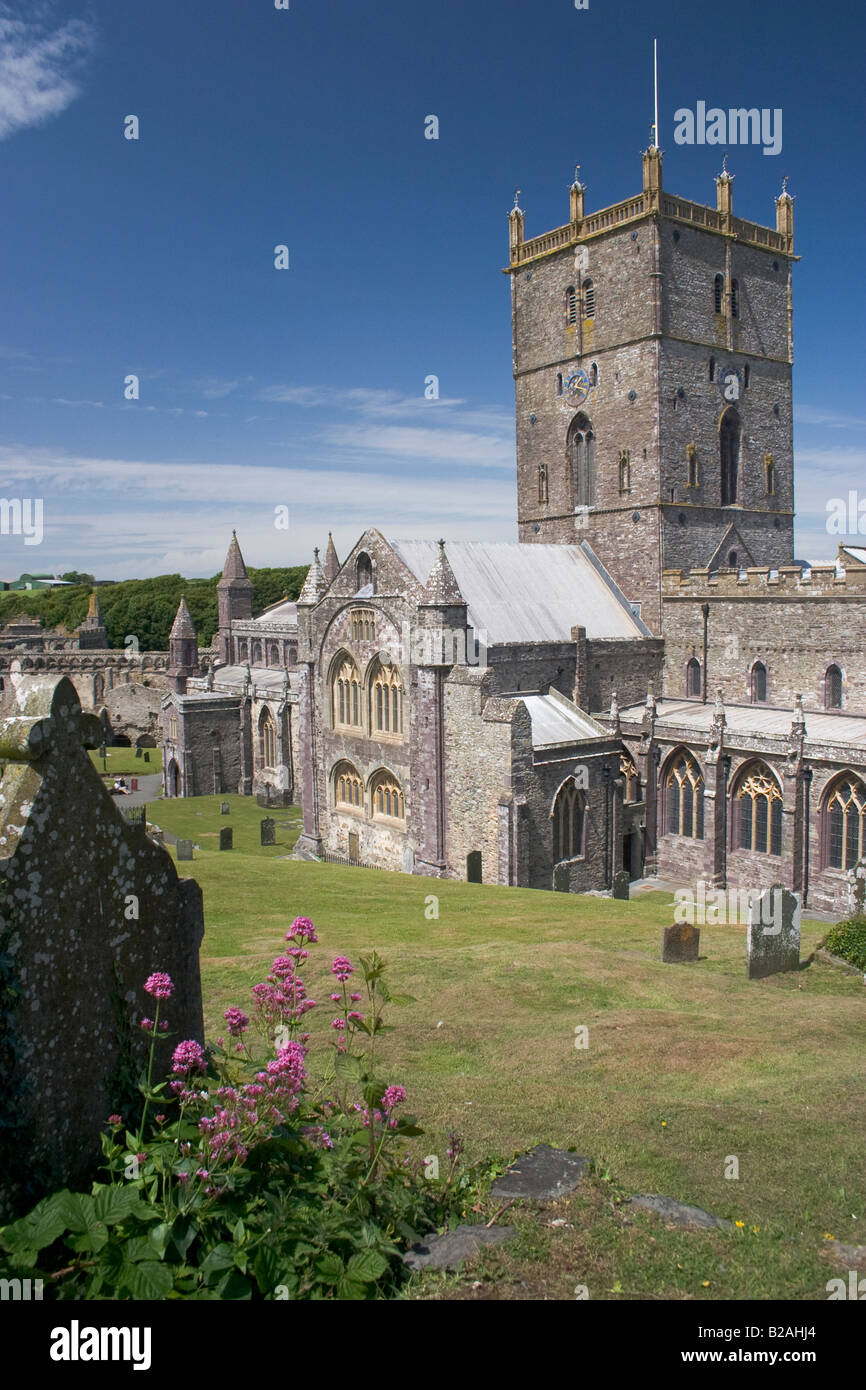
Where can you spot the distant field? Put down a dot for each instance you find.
(686, 1065)
(123, 762)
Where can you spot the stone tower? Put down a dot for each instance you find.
(183, 649)
(92, 632)
(234, 597)
(652, 364)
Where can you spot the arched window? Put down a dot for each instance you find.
(387, 797)
(588, 299)
(845, 823)
(833, 687)
(684, 793)
(593, 374)
(729, 455)
(718, 297)
(347, 695)
(542, 482)
(581, 448)
(735, 299)
(257, 653)
(693, 677)
(268, 739)
(770, 474)
(386, 695)
(273, 654)
(758, 811)
(568, 816)
(292, 655)
(348, 788)
(692, 456)
(570, 307)
(629, 773)
(758, 684)
(712, 369)
(364, 572)
(732, 559)
(363, 625)
(559, 383)
(624, 471)
(243, 650)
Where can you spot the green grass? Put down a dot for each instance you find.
(122, 761)
(686, 1064)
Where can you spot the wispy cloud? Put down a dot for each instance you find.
(834, 420)
(215, 388)
(39, 67)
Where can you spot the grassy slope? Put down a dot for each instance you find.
(685, 1065)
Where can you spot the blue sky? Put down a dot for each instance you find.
(304, 388)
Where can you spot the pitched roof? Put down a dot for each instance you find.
(529, 592)
(441, 587)
(556, 720)
(234, 569)
(315, 583)
(183, 625)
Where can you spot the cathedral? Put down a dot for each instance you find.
(647, 682)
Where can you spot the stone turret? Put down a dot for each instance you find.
(234, 597)
(92, 632)
(442, 615)
(332, 564)
(315, 584)
(183, 649)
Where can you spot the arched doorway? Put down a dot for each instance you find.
(172, 778)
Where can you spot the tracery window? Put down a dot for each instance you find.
(845, 814)
(568, 818)
(693, 677)
(348, 788)
(387, 701)
(629, 772)
(758, 807)
(363, 625)
(684, 790)
(833, 687)
(268, 739)
(387, 798)
(347, 695)
(581, 446)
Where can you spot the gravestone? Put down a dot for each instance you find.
(680, 943)
(226, 837)
(857, 889)
(621, 883)
(773, 939)
(542, 1175)
(561, 878)
(184, 849)
(225, 808)
(146, 756)
(266, 831)
(126, 914)
(137, 751)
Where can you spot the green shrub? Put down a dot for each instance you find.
(848, 940)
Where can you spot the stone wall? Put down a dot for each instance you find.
(91, 908)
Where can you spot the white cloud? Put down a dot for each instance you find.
(819, 415)
(38, 68)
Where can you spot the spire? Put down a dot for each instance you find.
(442, 589)
(332, 564)
(234, 569)
(315, 583)
(183, 624)
(94, 610)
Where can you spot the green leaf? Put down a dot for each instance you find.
(239, 1232)
(115, 1204)
(221, 1257)
(183, 1233)
(367, 1266)
(41, 1226)
(139, 1248)
(235, 1286)
(159, 1237)
(148, 1279)
(401, 999)
(351, 1289)
(347, 1067)
(329, 1268)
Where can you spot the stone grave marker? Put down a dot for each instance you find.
(561, 878)
(266, 831)
(146, 756)
(857, 889)
(225, 808)
(226, 837)
(680, 943)
(137, 751)
(773, 940)
(184, 849)
(621, 883)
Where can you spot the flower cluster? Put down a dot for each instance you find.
(342, 968)
(188, 1057)
(237, 1021)
(303, 929)
(159, 985)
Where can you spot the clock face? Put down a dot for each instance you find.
(576, 386)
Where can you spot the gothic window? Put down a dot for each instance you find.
(770, 473)
(692, 456)
(732, 559)
(833, 687)
(693, 677)
(347, 695)
(172, 727)
(568, 815)
(273, 654)
(268, 739)
(559, 383)
(758, 684)
(758, 811)
(729, 455)
(257, 653)
(387, 701)
(570, 307)
(542, 482)
(684, 793)
(243, 650)
(348, 788)
(364, 572)
(292, 655)
(581, 447)
(718, 295)
(624, 471)
(629, 772)
(593, 374)
(588, 299)
(363, 625)
(387, 798)
(735, 299)
(845, 821)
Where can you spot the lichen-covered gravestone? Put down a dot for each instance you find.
(857, 889)
(226, 837)
(184, 849)
(621, 884)
(680, 943)
(225, 808)
(266, 831)
(89, 909)
(773, 940)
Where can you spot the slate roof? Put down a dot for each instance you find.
(556, 720)
(769, 720)
(529, 593)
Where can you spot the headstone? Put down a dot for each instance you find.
(451, 1249)
(541, 1175)
(680, 943)
(857, 889)
(59, 831)
(621, 883)
(267, 831)
(773, 940)
(184, 849)
(679, 1213)
(137, 751)
(226, 837)
(146, 756)
(225, 808)
(561, 878)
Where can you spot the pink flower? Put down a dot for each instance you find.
(159, 985)
(354, 998)
(395, 1095)
(160, 1119)
(147, 1025)
(283, 967)
(356, 1017)
(302, 927)
(163, 1027)
(335, 998)
(188, 1057)
(115, 1120)
(237, 1021)
(342, 968)
(338, 1023)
